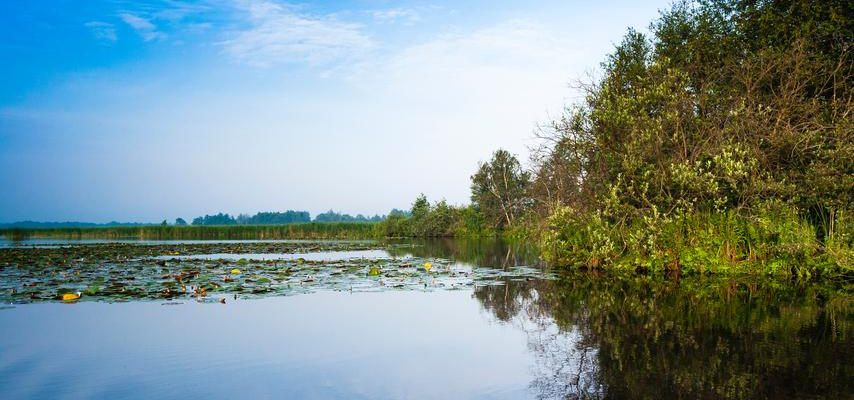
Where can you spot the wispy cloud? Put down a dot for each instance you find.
(279, 33)
(143, 26)
(179, 10)
(395, 14)
(517, 47)
(102, 30)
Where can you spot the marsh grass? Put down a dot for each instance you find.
(314, 230)
(773, 239)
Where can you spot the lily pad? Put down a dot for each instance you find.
(122, 272)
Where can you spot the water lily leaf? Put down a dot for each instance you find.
(92, 290)
(122, 272)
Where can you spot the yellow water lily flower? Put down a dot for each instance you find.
(70, 296)
(235, 271)
(427, 266)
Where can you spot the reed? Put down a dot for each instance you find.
(313, 230)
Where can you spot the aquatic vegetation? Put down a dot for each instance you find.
(120, 272)
(70, 296)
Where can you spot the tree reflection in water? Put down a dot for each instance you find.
(601, 336)
(565, 364)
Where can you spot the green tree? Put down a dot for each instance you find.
(727, 109)
(419, 213)
(499, 189)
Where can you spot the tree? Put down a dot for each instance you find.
(441, 219)
(421, 207)
(728, 109)
(243, 219)
(499, 189)
(218, 219)
(419, 213)
(332, 216)
(180, 222)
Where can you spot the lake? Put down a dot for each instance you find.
(401, 320)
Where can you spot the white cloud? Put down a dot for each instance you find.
(143, 26)
(279, 34)
(102, 30)
(178, 10)
(395, 14)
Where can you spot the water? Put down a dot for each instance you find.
(579, 336)
(316, 256)
(370, 345)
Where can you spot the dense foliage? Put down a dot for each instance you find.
(723, 140)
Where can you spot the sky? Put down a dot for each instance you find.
(151, 110)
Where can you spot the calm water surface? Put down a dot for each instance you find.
(580, 336)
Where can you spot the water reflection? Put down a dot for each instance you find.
(601, 337)
(489, 253)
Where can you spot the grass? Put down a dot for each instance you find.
(313, 230)
(774, 240)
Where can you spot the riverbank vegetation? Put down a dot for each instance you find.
(721, 142)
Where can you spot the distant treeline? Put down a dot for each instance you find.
(261, 218)
(287, 217)
(332, 216)
(311, 230)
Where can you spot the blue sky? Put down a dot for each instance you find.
(140, 111)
